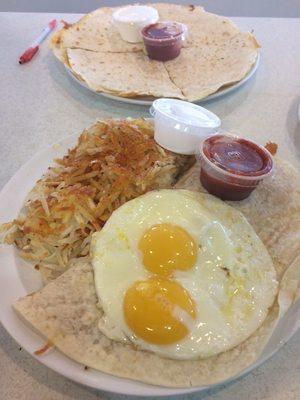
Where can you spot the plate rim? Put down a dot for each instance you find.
(142, 389)
(142, 102)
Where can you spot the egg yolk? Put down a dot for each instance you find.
(167, 247)
(159, 310)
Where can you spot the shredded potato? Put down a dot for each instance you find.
(113, 162)
(48, 345)
(271, 147)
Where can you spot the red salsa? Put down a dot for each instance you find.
(163, 40)
(232, 167)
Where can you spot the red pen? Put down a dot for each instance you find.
(33, 49)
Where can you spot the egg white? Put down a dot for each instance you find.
(233, 281)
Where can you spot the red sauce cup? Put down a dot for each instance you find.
(163, 40)
(232, 167)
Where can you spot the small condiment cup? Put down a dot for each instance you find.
(163, 40)
(179, 126)
(130, 20)
(235, 181)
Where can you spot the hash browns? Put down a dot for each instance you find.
(114, 161)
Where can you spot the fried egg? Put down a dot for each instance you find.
(181, 274)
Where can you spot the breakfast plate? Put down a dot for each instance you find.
(144, 101)
(17, 279)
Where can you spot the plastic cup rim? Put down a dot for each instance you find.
(214, 117)
(251, 177)
(176, 36)
(154, 13)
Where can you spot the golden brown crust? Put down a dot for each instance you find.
(113, 162)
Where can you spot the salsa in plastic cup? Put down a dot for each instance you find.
(163, 40)
(232, 167)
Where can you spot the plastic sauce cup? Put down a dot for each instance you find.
(232, 167)
(130, 20)
(163, 40)
(180, 126)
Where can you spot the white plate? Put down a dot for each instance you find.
(146, 102)
(17, 279)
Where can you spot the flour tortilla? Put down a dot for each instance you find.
(273, 209)
(200, 71)
(216, 54)
(136, 74)
(203, 28)
(94, 32)
(66, 312)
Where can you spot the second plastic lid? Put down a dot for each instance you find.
(186, 112)
(180, 125)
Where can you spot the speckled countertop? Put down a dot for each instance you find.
(40, 104)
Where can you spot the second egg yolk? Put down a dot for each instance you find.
(159, 310)
(167, 247)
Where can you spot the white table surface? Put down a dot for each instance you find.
(40, 104)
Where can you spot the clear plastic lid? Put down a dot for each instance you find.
(232, 166)
(164, 31)
(188, 113)
(238, 162)
(135, 13)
